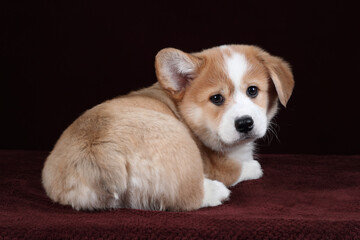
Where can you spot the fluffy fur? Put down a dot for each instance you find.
(168, 147)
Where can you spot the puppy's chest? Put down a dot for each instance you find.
(226, 167)
(219, 167)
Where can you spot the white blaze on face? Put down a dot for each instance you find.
(241, 105)
(236, 66)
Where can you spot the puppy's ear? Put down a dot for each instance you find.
(281, 75)
(175, 69)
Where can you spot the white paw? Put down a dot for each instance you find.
(215, 193)
(249, 170)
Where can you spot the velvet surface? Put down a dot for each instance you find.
(299, 197)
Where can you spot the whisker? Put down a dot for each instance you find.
(271, 133)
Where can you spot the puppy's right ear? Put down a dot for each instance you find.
(176, 69)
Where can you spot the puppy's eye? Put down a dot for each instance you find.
(217, 99)
(252, 91)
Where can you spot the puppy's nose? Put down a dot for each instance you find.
(244, 124)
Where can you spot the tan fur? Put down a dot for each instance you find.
(122, 139)
(146, 150)
(280, 73)
(217, 166)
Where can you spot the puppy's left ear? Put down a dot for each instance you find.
(281, 76)
(176, 69)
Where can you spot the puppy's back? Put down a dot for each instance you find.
(127, 152)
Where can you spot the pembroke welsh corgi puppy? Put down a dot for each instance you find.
(178, 144)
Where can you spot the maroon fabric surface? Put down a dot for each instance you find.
(299, 197)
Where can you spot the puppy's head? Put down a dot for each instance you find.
(227, 95)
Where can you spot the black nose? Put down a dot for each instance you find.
(244, 124)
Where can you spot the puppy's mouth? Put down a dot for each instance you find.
(242, 139)
(245, 138)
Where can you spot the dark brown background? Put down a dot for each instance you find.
(59, 59)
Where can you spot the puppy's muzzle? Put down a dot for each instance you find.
(244, 124)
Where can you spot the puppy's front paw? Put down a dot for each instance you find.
(250, 170)
(215, 193)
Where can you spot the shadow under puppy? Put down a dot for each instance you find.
(178, 144)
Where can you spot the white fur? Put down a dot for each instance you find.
(242, 152)
(80, 196)
(178, 65)
(116, 196)
(236, 67)
(215, 193)
(146, 180)
(242, 105)
(250, 168)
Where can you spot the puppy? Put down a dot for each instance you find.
(178, 144)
